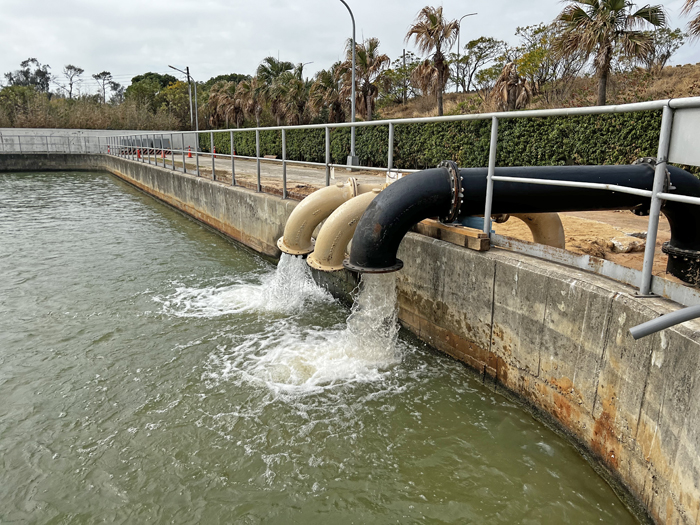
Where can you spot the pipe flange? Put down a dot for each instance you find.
(352, 181)
(361, 269)
(457, 196)
(283, 247)
(653, 161)
(681, 253)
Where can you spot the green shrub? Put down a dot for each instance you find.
(588, 139)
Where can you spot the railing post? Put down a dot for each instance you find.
(284, 164)
(196, 152)
(328, 156)
(489, 177)
(85, 144)
(47, 144)
(233, 165)
(257, 156)
(172, 152)
(99, 146)
(184, 161)
(655, 206)
(390, 155)
(19, 142)
(68, 140)
(213, 157)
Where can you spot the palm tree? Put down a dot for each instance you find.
(511, 91)
(268, 72)
(596, 27)
(293, 95)
(426, 77)
(694, 24)
(249, 92)
(325, 92)
(369, 66)
(435, 35)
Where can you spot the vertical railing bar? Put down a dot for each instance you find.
(184, 161)
(196, 151)
(284, 164)
(233, 165)
(213, 157)
(172, 151)
(493, 148)
(68, 137)
(19, 142)
(390, 154)
(47, 144)
(257, 156)
(328, 156)
(655, 206)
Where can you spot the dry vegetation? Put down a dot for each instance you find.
(636, 86)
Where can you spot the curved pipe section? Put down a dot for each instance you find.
(430, 194)
(665, 321)
(392, 213)
(313, 210)
(546, 228)
(336, 233)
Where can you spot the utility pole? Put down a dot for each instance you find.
(352, 159)
(459, 66)
(405, 75)
(189, 87)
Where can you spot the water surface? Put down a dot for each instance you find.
(152, 372)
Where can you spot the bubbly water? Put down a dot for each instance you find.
(153, 372)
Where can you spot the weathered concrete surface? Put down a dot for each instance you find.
(554, 336)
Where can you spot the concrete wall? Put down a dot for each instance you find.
(555, 337)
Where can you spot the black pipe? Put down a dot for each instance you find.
(430, 193)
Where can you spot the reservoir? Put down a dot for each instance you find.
(152, 371)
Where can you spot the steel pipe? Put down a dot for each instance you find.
(665, 321)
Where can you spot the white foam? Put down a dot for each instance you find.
(287, 357)
(288, 289)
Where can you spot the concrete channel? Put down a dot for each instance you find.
(554, 337)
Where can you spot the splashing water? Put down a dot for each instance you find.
(288, 289)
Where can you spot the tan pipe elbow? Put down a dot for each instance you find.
(337, 232)
(546, 228)
(313, 210)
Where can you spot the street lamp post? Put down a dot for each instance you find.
(352, 159)
(194, 121)
(459, 66)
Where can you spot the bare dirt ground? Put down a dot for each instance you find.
(590, 233)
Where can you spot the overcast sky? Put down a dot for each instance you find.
(214, 37)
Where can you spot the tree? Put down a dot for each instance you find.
(145, 93)
(435, 35)
(694, 24)
(267, 74)
(369, 66)
(72, 74)
(231, 77)
(664, 43)
(250, 93)
(103, 79)
(595, 27)
(162, 80)
(32, 74)
(117, 92)
(396, 85)
(325, 93)
(477, 54)
(511, 91)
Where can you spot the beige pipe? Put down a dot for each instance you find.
(313, 210)
(546, 228)
(337, 232)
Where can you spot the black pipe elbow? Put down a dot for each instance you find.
(392, 213)
(683, 249)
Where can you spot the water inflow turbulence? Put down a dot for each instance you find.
(291, 356)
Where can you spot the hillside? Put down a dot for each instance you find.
(637, 86)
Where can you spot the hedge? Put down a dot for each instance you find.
(588, 139)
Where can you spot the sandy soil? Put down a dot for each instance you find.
(592, 233)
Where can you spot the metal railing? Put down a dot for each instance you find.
(142, 146)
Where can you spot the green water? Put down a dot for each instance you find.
(153, 372)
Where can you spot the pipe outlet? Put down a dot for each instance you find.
(313, 210)
(546, 228)
(337, 232)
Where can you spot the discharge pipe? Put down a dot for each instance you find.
(450, 193)
(314, 209)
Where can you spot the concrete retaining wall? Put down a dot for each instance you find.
(554, 336)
